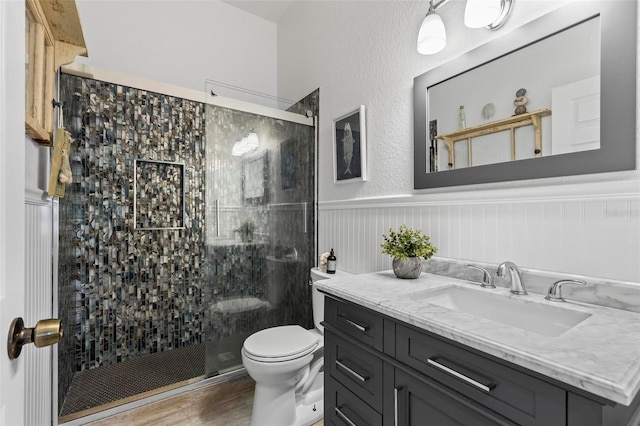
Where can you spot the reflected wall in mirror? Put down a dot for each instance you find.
(546, 70)
(255, 178)
(583, 52)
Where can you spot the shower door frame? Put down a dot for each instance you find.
(198, 96)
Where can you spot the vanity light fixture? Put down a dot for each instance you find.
(491, 14)
(432, 36)
(247, 144)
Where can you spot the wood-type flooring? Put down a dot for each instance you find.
(221, 404)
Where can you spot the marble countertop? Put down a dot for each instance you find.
(600, 355)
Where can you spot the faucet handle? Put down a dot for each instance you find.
(487, 280)
(555, 290)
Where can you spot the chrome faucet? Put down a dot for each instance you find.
(487, 281)
(517, 284)
(555, 291)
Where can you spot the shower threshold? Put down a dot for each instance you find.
(102, 388)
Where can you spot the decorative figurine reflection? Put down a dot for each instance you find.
(521, 102)
(488, 111)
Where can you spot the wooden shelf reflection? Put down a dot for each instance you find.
(510, 123)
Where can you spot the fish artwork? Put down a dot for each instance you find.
(347, 147)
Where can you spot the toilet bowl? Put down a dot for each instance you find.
(286, 363)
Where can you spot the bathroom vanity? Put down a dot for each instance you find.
(408, 352)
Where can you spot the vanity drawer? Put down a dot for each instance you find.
(342, 407)
(360, 323)
(355, 368)
(517, 396)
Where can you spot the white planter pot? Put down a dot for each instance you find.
(409, 268)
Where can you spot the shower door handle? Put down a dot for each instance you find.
(304, 217)
(217, 207)
(46, 332)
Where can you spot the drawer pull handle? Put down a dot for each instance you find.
(362, 328)
(486, 388)
(344, 417)
(350, 371)
(395, 405)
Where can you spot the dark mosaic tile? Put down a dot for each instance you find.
(111, 275)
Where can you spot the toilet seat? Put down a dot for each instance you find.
(279, 344)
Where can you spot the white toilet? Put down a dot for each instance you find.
(286, 363)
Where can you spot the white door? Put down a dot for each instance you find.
(575, 122)
(12, 209)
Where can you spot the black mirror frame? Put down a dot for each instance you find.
(618, 21)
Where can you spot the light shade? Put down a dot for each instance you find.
(248, 144)
(252, 141)
(432, 36)
(480, 13)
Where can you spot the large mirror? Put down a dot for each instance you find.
(578, 67)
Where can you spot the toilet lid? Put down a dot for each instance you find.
(280, 342)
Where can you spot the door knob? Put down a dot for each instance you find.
(46, 332)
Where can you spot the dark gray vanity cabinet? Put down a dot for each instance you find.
(509, 392)
(360, 371)
(422, 402)
(365, 386)
(379, 371)
(353, 376)
(356, 322)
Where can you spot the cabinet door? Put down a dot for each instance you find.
(419, 403)
(516, 395)
(357, 369)
(360, 323)
(343, 408)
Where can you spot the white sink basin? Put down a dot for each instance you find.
(538, 317)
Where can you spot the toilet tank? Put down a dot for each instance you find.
(317, 298)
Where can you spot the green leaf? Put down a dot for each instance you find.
(407, 243)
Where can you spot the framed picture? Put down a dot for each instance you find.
(349, 147)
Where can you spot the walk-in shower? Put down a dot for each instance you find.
(175, 244)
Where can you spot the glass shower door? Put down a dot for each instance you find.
(260, 234)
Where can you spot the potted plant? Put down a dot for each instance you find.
(408, 247)
(246, 231)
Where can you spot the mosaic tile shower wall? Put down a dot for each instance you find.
(126, 292)
(158, 195)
